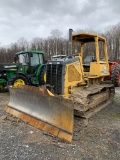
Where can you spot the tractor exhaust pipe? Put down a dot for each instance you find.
(70, 42)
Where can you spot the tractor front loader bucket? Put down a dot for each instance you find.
(35, 105)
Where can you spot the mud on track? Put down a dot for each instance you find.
(97, 140)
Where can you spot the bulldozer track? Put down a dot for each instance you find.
(90, 99)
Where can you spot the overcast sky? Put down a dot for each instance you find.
(36, 18)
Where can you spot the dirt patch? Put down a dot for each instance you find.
(99, 139)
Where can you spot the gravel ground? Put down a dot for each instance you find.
(98, 140)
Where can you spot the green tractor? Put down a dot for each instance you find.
(7, 70)
(28, 69)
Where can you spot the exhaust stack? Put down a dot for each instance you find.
(70, 42)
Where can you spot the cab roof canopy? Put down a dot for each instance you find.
(60, 55)
(30, 51)
(86, 37)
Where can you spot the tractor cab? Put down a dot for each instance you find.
(30, 61)
(30, 67)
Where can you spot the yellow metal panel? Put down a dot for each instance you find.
(73, 76)
(99, 69)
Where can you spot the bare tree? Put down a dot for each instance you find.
(56, 44)
(56, 36)
(23, 44)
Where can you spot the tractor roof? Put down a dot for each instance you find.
(86, 37)
(30, 51)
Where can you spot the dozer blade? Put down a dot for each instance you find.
(53, 114)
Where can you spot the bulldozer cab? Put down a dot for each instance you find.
(93, 51)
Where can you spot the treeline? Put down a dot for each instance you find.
(57, 44)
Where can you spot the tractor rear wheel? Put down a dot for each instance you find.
(115, 75)
(18, 79)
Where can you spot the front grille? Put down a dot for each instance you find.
(3, 75)
(54, 78)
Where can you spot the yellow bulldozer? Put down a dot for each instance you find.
(72, 87)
